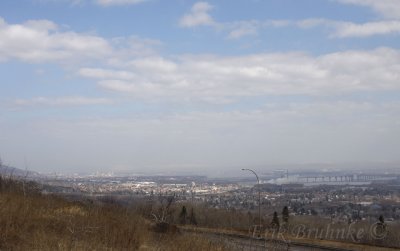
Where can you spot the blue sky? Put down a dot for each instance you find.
(207, 86)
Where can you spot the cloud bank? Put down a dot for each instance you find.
(217, 77)
(200, 16)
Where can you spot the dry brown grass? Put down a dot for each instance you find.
(49, 223)
(31, 221)
(184, 242)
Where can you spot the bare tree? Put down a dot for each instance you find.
(163, 216)
(164, 211)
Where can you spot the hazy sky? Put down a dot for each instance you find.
(157, 85)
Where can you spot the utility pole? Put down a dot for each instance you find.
(259, 195)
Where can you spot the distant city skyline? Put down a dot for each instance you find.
(208, 86)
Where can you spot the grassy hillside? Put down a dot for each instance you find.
(32, 221)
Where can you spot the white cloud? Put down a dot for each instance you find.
(48, 43)
(157, 64)
(252, 27)
(63, 101)
(118, 2)
(105, 74)
(387, 8)
(198, 15)
(341, 29)
(221, 78)
(244, 28)
(314, 22)
(390, 8)
(367, 29)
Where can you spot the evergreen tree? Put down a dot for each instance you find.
(285, 215)
(381, 219)
(192, 217)
(275, 221)
(381, 226)
(183, 216)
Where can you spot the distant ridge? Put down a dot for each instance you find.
(18, 173)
